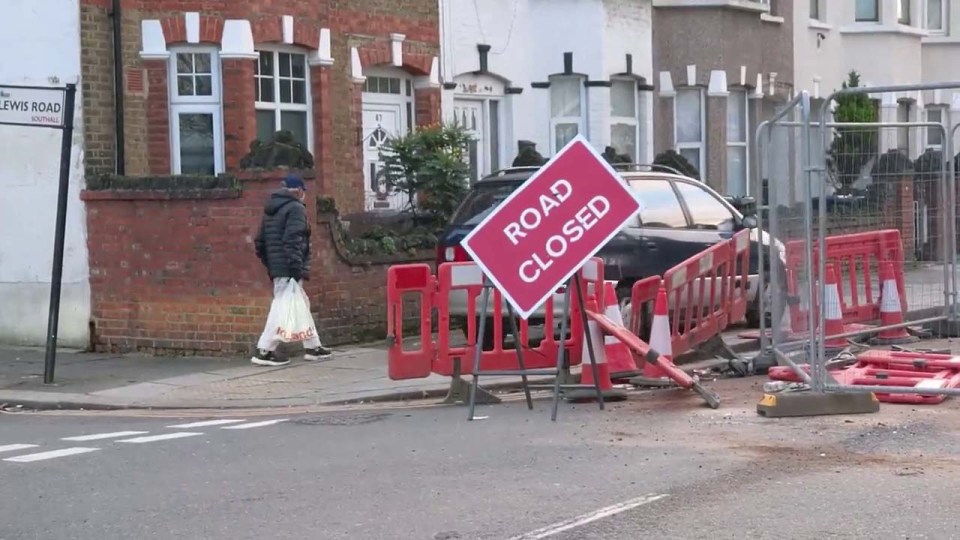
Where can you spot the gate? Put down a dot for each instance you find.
(846, 201)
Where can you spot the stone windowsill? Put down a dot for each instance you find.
(877, 28)
(745, 5)
(766, 17)
(816, 24)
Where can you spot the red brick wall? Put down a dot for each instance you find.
(366, 24)
(171, 274)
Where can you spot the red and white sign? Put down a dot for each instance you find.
(537, 238)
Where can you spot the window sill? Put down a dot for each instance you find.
(940, 38)
(746, 5)
(820, 25)
(877, 28)
(766, 17)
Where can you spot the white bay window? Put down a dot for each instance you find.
(196, 115)
(689, 129)
(566, 110)
(282, 84)
(624, 118)
(936, 16)
(867, 10)
(738, 154)
(935, 134)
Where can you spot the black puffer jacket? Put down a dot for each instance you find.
(283, 241)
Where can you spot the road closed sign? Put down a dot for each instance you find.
(31, 106)
(541, 235)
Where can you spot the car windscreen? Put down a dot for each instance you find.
(481, 200)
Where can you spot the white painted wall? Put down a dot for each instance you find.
(42, 42)
(528, 39)
(884, 52)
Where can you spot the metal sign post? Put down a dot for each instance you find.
(48, 107)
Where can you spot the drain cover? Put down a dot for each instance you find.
(341, 419)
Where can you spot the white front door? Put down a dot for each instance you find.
(381, 122)
(468, 114)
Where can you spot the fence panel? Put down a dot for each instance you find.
(855, 196)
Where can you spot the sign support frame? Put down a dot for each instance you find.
(573, 283)
(69, 96)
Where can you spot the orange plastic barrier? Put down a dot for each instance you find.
(708, 291)
(409, 279)
(858, 257)
(463, 282)
(642, 294)
(920, 370)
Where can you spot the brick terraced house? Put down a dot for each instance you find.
(201, 79)
(171, 257)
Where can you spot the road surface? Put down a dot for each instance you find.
(655, 467)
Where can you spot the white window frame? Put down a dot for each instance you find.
(904, 12)
(876, 19)
(580, 121)
(276, 106)
(211, 104)
(745, 144)
(407, 95)
(942, 111)
(816, 10)
(905, 111)
(702, 144)
(944, 23)
(629, 120)
(490, 149)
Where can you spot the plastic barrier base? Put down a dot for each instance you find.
(650, 382)
(793, 404)
(800, 336)
(583, 395)
(459, 394)
(642, 350)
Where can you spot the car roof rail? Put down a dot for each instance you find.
(509, 170)
(652, 167)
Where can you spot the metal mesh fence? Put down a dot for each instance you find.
(852, 205)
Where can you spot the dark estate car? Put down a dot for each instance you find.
(680, 218)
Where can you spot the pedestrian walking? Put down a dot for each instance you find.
(283, 245)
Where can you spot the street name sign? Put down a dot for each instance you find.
(31, 106)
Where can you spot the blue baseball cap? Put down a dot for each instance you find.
(294, 182)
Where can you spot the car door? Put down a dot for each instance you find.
(664, 236)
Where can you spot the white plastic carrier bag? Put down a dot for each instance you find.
(290, 316)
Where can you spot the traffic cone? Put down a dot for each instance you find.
(619, 357)
(833, 314)
(660, 341)
(891, 312)
(587, 389)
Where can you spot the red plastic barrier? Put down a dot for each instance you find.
(708, 291)
(465, 280)
(858, 258)
(409, 279)
(893, 368)
(642, 294)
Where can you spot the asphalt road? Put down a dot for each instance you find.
(639, 470)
